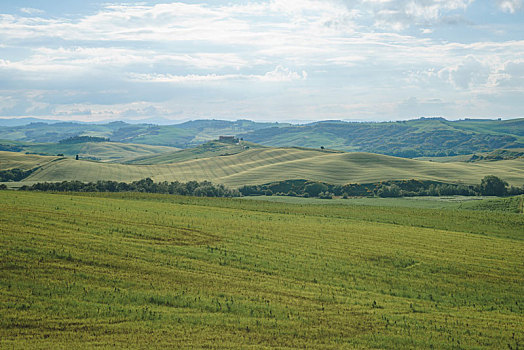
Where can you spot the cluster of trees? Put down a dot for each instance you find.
(14, 175)
(497, 155)
(82, 139)
(489, 186)
(10, 148)
(191, 188)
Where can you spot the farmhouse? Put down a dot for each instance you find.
(228, 139)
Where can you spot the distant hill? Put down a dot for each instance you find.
(265, 165)
(496, 155)
(101, 151)
(183, 135)
(415, 138)
(40, 132)
(24, 121)
(425, 137)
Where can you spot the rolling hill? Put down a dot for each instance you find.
(182, 135)
(413, 138)
(101, 151)
(206, 150)
(425, 137)
(264, 165)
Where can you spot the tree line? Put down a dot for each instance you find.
(82, 139)
(489, 186)
(191, 188)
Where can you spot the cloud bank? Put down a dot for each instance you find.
(266, 60)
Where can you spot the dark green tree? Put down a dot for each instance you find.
(493, 186)
(314, 189)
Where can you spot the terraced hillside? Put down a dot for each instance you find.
(264, 165)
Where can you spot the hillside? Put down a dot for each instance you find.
(206, 150)
(264, 165)
(425, 137)
(414, 138)
(15, 160)
(101, 151)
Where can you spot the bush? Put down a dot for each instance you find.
(325, 195)
(389, 191)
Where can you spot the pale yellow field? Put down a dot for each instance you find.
(12, 160)
(116, 151)
(259, 166)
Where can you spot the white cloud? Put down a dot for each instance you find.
(510, 75)
(379, 49)
(466, 74)
(400, 14)
(510, 6)
(279, 74)
(31, 11)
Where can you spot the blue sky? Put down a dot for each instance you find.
(277, 60)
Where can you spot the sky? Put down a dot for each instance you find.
(274, 60)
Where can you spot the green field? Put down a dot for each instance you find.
(158, 271)
(511, 204)
(265, 165)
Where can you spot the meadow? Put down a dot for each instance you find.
(101, 151)
(133, 270)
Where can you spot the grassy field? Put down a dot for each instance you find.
(511, 204)
(13, 160)
(265, 165)
(207, 150)
(155, 271)
(103, 151)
